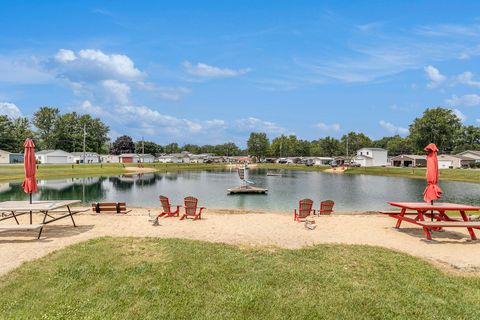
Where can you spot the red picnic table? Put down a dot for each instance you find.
(436, 212)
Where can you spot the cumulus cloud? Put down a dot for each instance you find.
(328, 127)
(23, 70)
(90, 64)
(87, 107)
(467, 78)
(206, 71)
(434, 75)
(460, 115)
(390, 127)
(167, 93)
(10, 110)
(254, 124)
(117, 90)
(468, 100)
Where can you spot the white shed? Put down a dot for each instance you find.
(371, 157)
(54, 157)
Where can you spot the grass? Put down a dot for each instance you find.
(132, 278)
(466, 175)
(50, 171)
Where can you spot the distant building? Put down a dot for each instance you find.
(371, 157)
(146, 158)
(408, 160)
(90, 157)
(109, 158)
(317, 161)
(446, 161)
(54, 157)
(472, 154)
(129, 158)
(10, 157)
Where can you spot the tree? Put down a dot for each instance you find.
(280, 146)
(123, 144)
(192, 148)
(468, 139)
(149, 147)
(45, 120)
(439, 125)
(355, 141)
(258, 144)
(7, 138)
(171, 148)
(21, 131)
(398, 145)
(326, 147)
(227, 149)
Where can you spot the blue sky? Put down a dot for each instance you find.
(213, 71)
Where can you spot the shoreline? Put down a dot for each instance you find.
(451, 250)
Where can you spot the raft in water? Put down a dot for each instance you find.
(247, 190)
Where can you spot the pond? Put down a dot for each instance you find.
(350, 192)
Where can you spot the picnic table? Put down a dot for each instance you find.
(436, 212)
(47, 208)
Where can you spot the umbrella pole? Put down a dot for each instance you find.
(431, 217)
(30, 198)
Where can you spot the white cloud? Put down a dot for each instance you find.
(460, 115)
(23, 70)
(95, 65)
(119, 92)
(393, 128)
(87, 107)
(328, 127)
(434, 75)
(467, 78)
(478, 120)
(167, 93)
(255, 124)
(468, 100)
(10, 110)
(206, 71)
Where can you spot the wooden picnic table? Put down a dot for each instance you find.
(47, 208)
(438, 213)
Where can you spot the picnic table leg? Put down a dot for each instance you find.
(470, 230)
(71, 216)
(15, 217)
(399, 221)
(30, 217)
(426, 231)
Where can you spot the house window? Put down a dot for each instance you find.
(367, 153)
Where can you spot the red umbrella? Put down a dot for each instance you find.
(29, 185)
(432, 191)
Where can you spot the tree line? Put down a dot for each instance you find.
(52, 130)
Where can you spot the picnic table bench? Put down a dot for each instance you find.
(437, 213)
(115, 207)
(47, 208)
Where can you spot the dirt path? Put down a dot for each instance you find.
(451, 249)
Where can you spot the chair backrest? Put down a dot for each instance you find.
(305, 207)
(326, 206)
(190, 205)
(165, 204)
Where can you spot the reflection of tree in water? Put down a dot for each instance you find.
(172, 176)
(122, 183)
(145, 180)
(83, 189)
(12, 191)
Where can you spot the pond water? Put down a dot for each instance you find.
(350, 192)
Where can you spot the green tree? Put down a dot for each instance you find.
(7, 138)
(326, 147)
(171, 148)
(438, 125)
(192, 148)
(45, 120)
(123, 144)
(21, 131)
(354, 141)
(149, 147)
(280, 146)
(258, 144)
(227, 149)
(468, 139)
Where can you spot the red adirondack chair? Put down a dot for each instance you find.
(167, 208)
(304, 210)
(191, 209)
(326, 207)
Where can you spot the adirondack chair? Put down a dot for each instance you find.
(167, 208)
(191, 209)
(326, 207)
(304, 210)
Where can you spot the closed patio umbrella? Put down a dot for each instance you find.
(29, 185)
(432, 191)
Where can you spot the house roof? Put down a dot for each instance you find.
(128, 155)
(50, 151)
(474, 152)
(374, 149)
(87, 153)
(410, 156)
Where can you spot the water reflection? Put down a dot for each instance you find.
(350, 192)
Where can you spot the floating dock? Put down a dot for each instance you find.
(247, 190)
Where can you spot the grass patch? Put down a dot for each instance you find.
(52, 171)
(301, 167)
(132, 278)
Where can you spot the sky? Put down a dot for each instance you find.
(208, 72)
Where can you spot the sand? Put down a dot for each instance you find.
(451, 249)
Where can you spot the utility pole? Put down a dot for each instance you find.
(84, 140)
(347, 152)
(143, 150)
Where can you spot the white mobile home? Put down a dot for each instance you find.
(90, 157)
(472, 154)
(54, 157)
(147, 158)
(371, 157)
(109, 158)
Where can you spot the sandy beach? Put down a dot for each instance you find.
(451, 249)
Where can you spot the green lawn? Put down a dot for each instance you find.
(15, 172)
(132, 278)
